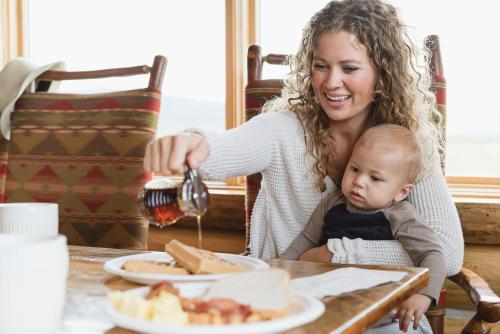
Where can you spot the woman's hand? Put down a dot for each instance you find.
(318, 254)
(172, 154)
(412, 309)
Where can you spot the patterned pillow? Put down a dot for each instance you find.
(85, 152)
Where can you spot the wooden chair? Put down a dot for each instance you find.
(85, 152)
(259, 90)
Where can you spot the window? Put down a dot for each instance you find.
(90, 33)
(471, 67)
(93, 34)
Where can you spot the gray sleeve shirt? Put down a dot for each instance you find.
(407, 226)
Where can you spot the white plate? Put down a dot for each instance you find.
(305, 309)
(114, 266)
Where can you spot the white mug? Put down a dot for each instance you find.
(33, 283)
(29, 218)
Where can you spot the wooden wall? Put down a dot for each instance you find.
(481, 228)
(480, 222)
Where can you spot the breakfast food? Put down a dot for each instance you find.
(165, 308)
(187, 260)
(154, 267)
(262, 295)
(242, 287)
(200, 261)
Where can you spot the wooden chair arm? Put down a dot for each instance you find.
(275, 59)
(486, 301)
(157, 72)
(97, 74)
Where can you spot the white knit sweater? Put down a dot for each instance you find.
(273, 144)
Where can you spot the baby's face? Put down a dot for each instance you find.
(374, 178)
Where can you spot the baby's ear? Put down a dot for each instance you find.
(403, 193)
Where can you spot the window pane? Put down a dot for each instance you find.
(280, 33)
(467, 35)
(93, 34)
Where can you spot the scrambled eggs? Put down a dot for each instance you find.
(163, 309)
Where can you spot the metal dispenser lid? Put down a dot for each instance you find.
(195, 197)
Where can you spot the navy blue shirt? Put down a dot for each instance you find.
(341, 223)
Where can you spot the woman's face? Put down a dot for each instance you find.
(343, 78)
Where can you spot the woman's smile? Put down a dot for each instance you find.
(338, 100)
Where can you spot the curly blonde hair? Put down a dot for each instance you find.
(401, 92)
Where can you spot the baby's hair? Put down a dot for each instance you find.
(392, 137)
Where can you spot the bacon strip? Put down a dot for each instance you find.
(214, 311)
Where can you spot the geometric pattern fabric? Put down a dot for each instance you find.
(84, 152)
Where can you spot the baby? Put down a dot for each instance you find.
(384, 164)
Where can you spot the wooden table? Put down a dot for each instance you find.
(350, 313)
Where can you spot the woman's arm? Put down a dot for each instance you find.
(241, 151)
(433, 202)
(244, 150)
(247, 149)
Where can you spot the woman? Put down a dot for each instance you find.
(355, 68)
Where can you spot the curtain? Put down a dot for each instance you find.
(11, 30)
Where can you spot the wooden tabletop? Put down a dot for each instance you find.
(88, 285)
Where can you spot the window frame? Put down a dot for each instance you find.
(242, 29)
(12, 29)
(474, 188)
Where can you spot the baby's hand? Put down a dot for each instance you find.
(318, 254)
(412, 309)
